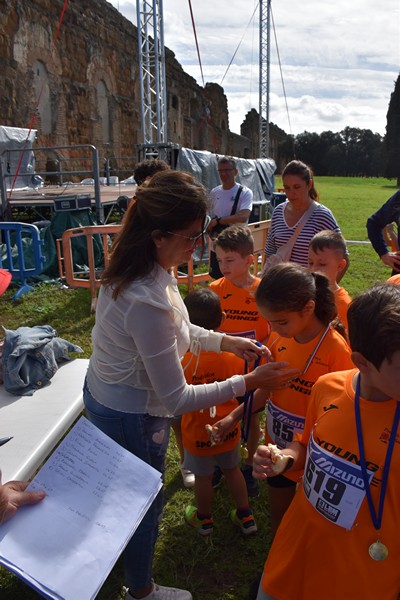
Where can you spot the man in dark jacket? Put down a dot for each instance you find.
(388, 213)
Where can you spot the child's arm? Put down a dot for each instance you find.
(262, 463)
(221, 427)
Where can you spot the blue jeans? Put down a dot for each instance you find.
(146, 437)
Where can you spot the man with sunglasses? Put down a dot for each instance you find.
(230, 203)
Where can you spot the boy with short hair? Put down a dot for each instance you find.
(145, 169)
(234, 248)
(327, 254)
(345, 518)
(200, 453)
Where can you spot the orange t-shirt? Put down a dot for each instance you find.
(211, 367)
(239, 305)
(287, 408)
(342, 300)
(312, 556)
(394, 279)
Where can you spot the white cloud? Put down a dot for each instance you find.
(339, 60)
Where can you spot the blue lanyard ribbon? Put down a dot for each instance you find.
(376, 518)
(248, 403)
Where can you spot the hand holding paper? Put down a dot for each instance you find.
(97, 494)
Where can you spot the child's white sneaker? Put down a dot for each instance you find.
(187, 476)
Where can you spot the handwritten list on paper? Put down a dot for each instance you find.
(97, 494)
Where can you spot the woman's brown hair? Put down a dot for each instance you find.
(170, 202)
(300, 169)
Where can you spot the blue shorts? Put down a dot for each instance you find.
(204, 465)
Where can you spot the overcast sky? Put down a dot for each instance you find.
(339, 60)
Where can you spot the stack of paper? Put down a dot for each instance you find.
(97, 494)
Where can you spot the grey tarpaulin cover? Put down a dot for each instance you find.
(16, 138)
(256, 173)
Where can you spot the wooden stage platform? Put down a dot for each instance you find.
(107, 195)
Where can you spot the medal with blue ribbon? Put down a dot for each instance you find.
(377, 550)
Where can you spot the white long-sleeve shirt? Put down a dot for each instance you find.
(138, 342)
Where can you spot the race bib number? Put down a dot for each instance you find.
(333, 486)
(282, 425)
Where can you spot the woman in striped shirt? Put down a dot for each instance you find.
(299, 187)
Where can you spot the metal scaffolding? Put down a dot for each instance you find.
(265, 44)
(152, 72)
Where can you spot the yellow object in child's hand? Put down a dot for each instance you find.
(211, 430)
(280, 462)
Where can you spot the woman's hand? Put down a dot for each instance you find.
(244, 348)
(271, 376)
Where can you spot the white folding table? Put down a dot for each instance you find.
(37, 423)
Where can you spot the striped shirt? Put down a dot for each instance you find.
(280, 232)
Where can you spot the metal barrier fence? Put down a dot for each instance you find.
(17, 238)
(91, 278)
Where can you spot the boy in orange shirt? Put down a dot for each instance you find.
(200, 454)
(234, 248)
(340, 535)
(327, 254)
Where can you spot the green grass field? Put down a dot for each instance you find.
(220, 568)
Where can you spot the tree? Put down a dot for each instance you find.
(332, 159)
(392, 138)
(307, 146)
(361, 147)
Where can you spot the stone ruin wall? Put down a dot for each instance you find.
(89, 83)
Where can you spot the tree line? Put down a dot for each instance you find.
(352, 152)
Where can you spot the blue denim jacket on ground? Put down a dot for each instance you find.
(30, 357)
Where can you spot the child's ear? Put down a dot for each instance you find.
(342, 264)
(362, 364)
(223, 317)
(309, 307)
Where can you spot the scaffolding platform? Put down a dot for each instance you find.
(50, 195)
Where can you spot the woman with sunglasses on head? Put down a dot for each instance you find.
(135, 381)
